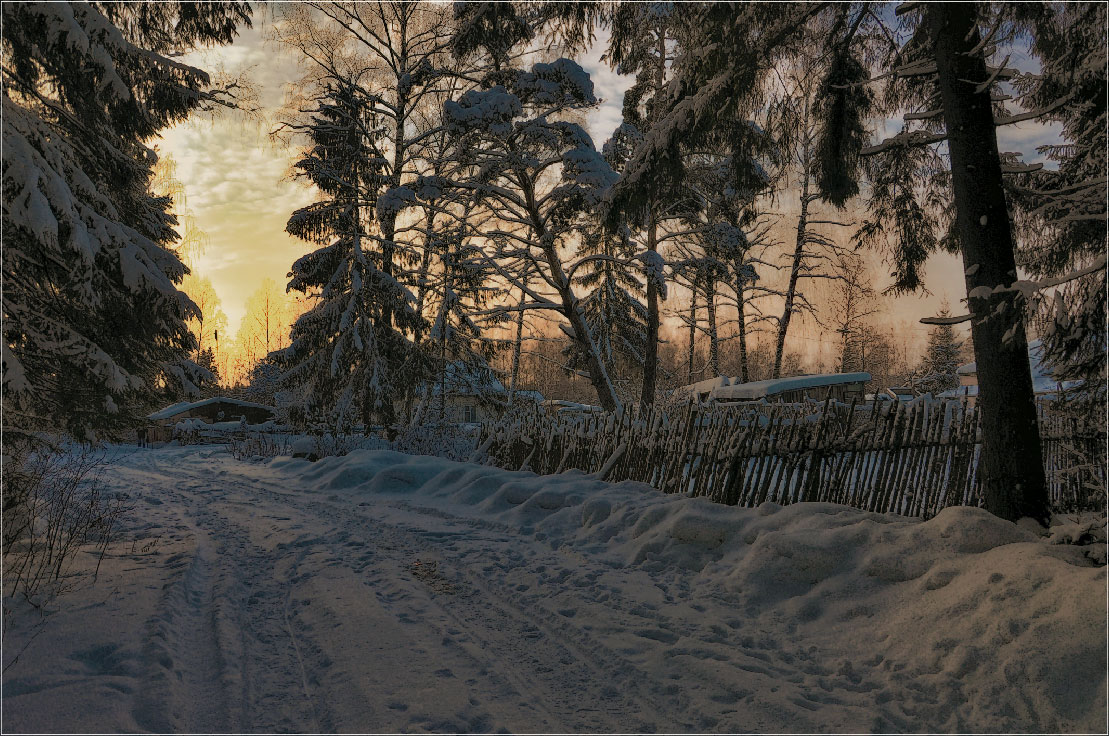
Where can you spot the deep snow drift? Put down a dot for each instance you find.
(387, 592)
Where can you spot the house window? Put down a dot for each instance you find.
(469, 414)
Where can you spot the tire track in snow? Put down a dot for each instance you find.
(510, 651)
(557, 667)
(221, 656)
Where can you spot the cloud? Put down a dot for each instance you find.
(608, 86)
(236, 187)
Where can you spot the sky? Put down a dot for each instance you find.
(238, 189)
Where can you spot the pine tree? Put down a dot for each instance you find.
(721, 216)
(508, 139)
(813, 128)
(348, 348)
(941, 359)
(93, 322)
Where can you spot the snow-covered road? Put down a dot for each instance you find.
(382, 592)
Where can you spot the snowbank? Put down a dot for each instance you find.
(963, 622)
(388, 593)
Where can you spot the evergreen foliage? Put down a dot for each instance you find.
(345, 350)
(94, 324)
(941, 359)
(612, 303)
(843, 103)
(1061, 212)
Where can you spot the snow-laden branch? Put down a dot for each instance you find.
(913, 139)
(1033, 114)
(1024, 287)
(946, 320)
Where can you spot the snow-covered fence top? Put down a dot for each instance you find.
(913, 458)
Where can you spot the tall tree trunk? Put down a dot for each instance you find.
(1011, 465)
(650, 355)
(425, 262)
(741, 318)
(516, 347)
(794, 272)
(389, 222)
(692, 328)
(710, 314)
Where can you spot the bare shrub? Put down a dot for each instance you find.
(55, 506)
(449, 441)
(260, 446)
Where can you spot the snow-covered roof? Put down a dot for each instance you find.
(754, 390)
(707, 385)
(958, 392)
(530, 395)
(175, 409)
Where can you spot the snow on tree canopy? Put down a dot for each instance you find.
(430, 187)
(589, 172)
(621, 146)
(728, 237)
(556, 83)
(491, 110)
(654, 268)
(394, 200)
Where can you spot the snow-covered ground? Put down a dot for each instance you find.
(387, 592)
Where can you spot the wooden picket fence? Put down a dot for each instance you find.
(913, 459)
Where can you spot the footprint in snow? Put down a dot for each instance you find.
(666, 637)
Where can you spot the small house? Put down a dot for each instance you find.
(469, 394)
(210, 411)
(818, 387)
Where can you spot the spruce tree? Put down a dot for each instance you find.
(348, 348)
(93, 320)
(941, 359)
(611, 301)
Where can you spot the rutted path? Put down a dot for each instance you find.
(285, 612)
(239, 601)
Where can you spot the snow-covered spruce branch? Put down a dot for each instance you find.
(1033, 114)
(946, 320)
(912, 138)
(1025, 288)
